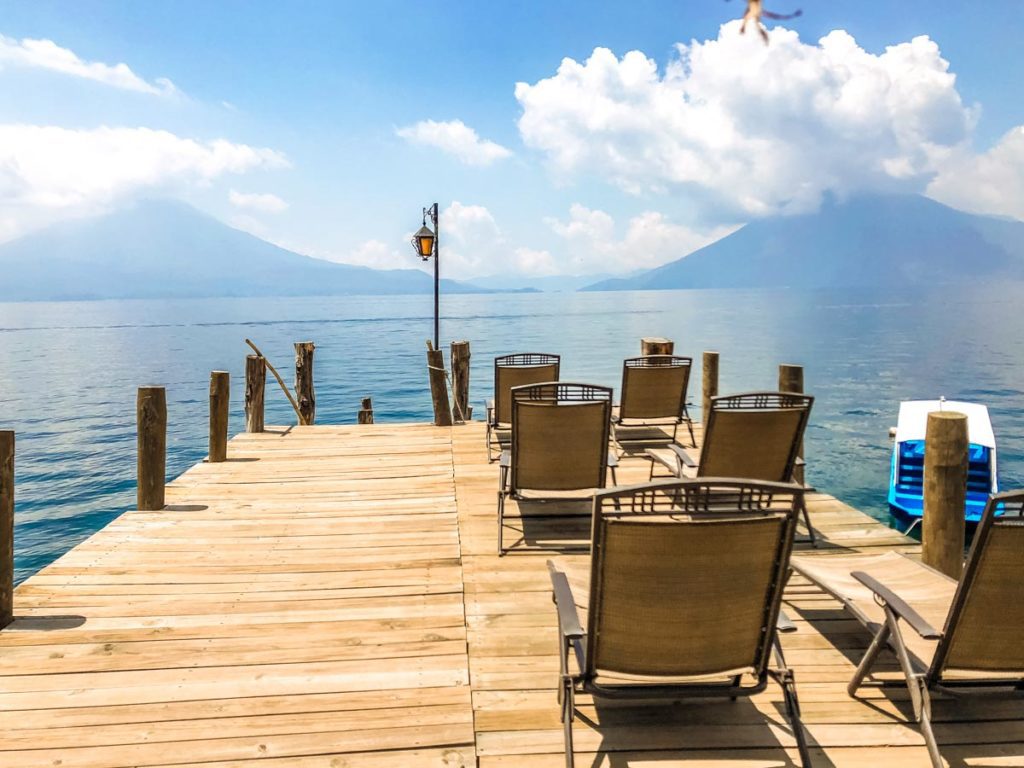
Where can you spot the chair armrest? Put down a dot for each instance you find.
(800, 462)
(489, 407)
(898, 606)
(683, 456)
(568, 618)
(613, 460)
(783, 623)
(505, 460)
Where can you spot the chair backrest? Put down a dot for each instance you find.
(519, 370)
(654, 387)
(756, 435)
(687, 576)
(985, 626)
(559, 436)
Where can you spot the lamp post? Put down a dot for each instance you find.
(426, 243)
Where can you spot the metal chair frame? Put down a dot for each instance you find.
(704, 498)
(681, 413)
(515, 360)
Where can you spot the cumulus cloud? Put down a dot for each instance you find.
(255, 201)
(650, 240)
(455, 138)
(475, 245)
(991, 183)
(48, 172)
(751, 129)
(46, 54)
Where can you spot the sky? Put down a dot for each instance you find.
(557, 138)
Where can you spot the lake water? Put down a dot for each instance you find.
(69, 371)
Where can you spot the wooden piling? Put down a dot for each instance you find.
(151, 416)
(791, 379)
(710, 375)
(220, 396)
(438, 387)
(6, 527)
(656, 345)
(255, 387)
(304, 381)
(460, 379)
(366, 411)
(945, 492)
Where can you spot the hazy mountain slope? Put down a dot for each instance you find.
(169, 249)
(888, 240)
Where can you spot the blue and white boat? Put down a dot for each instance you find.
(906, 481)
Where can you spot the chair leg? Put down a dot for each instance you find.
(877, 644)
(568, 713)
(918, 688)
(788, 684)
(807, 522)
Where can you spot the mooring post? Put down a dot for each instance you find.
(438, 387)
(945, 492)
(220, 396)
(6, 527)
(304, 381)
(656, 345)
(710, 373)
(460, 379)
(366, 411)
(255, 386)
(151, 416)
(791, 379)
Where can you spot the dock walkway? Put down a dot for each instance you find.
(331, 596)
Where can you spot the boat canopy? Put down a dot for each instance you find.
(913, 420)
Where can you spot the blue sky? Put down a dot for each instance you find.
(305, 122)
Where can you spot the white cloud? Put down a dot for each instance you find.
(475, 245)
(651, 240)
(255, 201)
(48, 172)
(750, 129)
(46, 54)
(379, 255)
(991, 183)
(456, 138)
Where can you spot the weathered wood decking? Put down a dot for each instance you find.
(331, 596)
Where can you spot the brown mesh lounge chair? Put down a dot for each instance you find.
(559, 443)
(756, 435)
(653, 396)
(684, 596)
(979, 648)
(514, 371)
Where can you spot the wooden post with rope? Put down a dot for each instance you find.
(460, 380)
(304, 382)
(280, 381)
(438, 387)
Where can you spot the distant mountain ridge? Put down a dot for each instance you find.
(876, 240)
(167, 249)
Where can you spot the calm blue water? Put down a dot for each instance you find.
(69, 371)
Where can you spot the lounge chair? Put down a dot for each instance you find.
(514, 371)
(653, 395)
(756, 435)
(683, 598)
(559, 444)
(979, 648)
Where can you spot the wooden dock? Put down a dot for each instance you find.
(331, 596)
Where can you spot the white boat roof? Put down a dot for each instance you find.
(913, 420)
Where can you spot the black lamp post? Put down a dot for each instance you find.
(426, 243)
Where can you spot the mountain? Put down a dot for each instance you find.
(878, 240)
(549, 283)
(167, 249)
